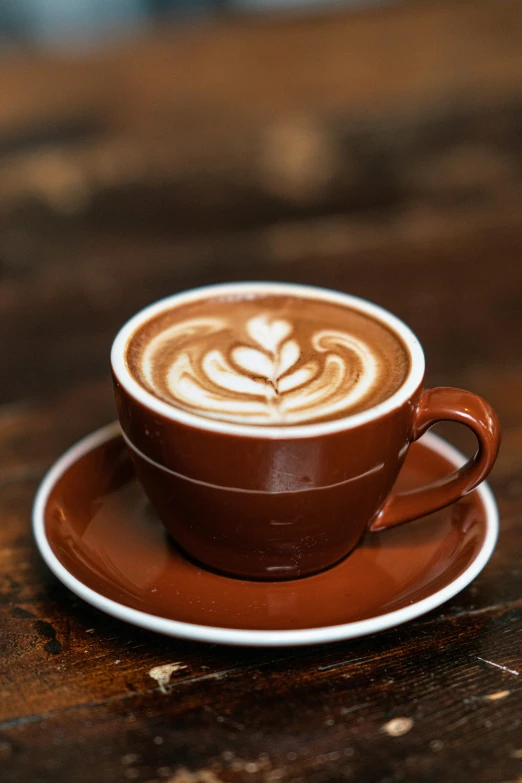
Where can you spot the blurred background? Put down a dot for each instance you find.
(151, 145)
(90, 22)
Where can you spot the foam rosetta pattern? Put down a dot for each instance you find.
(265, 370)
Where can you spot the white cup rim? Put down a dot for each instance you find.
(407, 389)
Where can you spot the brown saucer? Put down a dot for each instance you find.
(98, 533)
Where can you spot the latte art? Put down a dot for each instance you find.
(253, 363)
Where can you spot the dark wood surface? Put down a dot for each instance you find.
(428, 226)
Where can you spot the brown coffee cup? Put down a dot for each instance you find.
(281, 502)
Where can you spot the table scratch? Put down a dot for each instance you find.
(337, 664)
(498, 666)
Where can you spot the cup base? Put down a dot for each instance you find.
(289, 575)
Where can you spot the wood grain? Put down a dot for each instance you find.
(428, 225)
(252, 715)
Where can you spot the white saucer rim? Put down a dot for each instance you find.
(247, 637)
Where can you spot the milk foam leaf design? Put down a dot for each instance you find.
(298, 377)
(174, 336)
(267, 333)
(270, 367)
(218, 370)
(266, 381)
(275, 355)
(253, 361)
(335, 388)
(288, 356)
(185, 386)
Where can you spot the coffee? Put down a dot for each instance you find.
(264, 359)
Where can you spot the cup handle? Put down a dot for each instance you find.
(446, 404)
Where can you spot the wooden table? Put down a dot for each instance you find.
(103, 212)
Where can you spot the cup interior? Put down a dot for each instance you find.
(404, 334)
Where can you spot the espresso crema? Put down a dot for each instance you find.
(273, 360)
